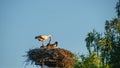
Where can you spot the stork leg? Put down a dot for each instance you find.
(42, 43)
(50, 40)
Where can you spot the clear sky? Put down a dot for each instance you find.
(68, 21)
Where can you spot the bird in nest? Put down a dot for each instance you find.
(52, 46)
(43, 38)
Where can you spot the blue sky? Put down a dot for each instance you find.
(68, 21)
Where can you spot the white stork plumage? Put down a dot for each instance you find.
(42, 38)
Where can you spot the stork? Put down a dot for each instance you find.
(43, 38)
(55, 44)
(52, 46)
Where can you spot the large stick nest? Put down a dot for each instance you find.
(57, 57)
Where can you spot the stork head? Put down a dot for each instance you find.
(56, 43)
(36, 37)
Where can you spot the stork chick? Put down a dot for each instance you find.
(43, 38)
(52, 46)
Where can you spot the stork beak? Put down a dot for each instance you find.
(56, 43)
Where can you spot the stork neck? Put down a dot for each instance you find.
(49, 36)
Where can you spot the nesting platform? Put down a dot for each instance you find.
(57, 57)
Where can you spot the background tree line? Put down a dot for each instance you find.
(103, 48)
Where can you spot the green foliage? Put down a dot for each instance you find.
(114, 38)
(107, 46)
(90, 61)
(103, 48)
(78, 63)
(92, 41)
(118, 9)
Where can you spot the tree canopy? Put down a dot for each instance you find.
(103, 48)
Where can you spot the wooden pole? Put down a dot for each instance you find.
(42, 63)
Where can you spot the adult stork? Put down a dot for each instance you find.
(43, 38)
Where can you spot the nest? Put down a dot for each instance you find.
(57, 57)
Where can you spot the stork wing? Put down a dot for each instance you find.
(42, 37)
(39, 37)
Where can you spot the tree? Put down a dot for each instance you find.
(112, 36)
(78, 62)
(108, 45)
(89, 61)
(113, 40)
(92, 42)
